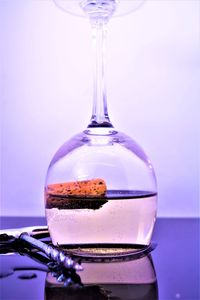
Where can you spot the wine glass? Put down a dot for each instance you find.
(100, 189)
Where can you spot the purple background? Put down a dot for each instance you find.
(46, 91)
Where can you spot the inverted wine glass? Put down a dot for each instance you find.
(100, 189)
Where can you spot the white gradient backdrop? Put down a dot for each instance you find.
(46, 95)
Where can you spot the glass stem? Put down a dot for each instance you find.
(100, 116)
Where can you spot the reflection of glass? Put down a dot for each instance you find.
(134, 279)
(100, 186)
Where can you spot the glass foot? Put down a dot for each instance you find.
(107, 252)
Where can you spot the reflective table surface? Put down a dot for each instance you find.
(171, 271)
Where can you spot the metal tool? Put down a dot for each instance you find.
(61, 265)
(31, 230)
(57, 255)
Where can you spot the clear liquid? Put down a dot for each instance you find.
(122, 217)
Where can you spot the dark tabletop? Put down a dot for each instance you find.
(170, 272)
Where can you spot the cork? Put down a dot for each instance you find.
(86, 194)
(86, 188)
